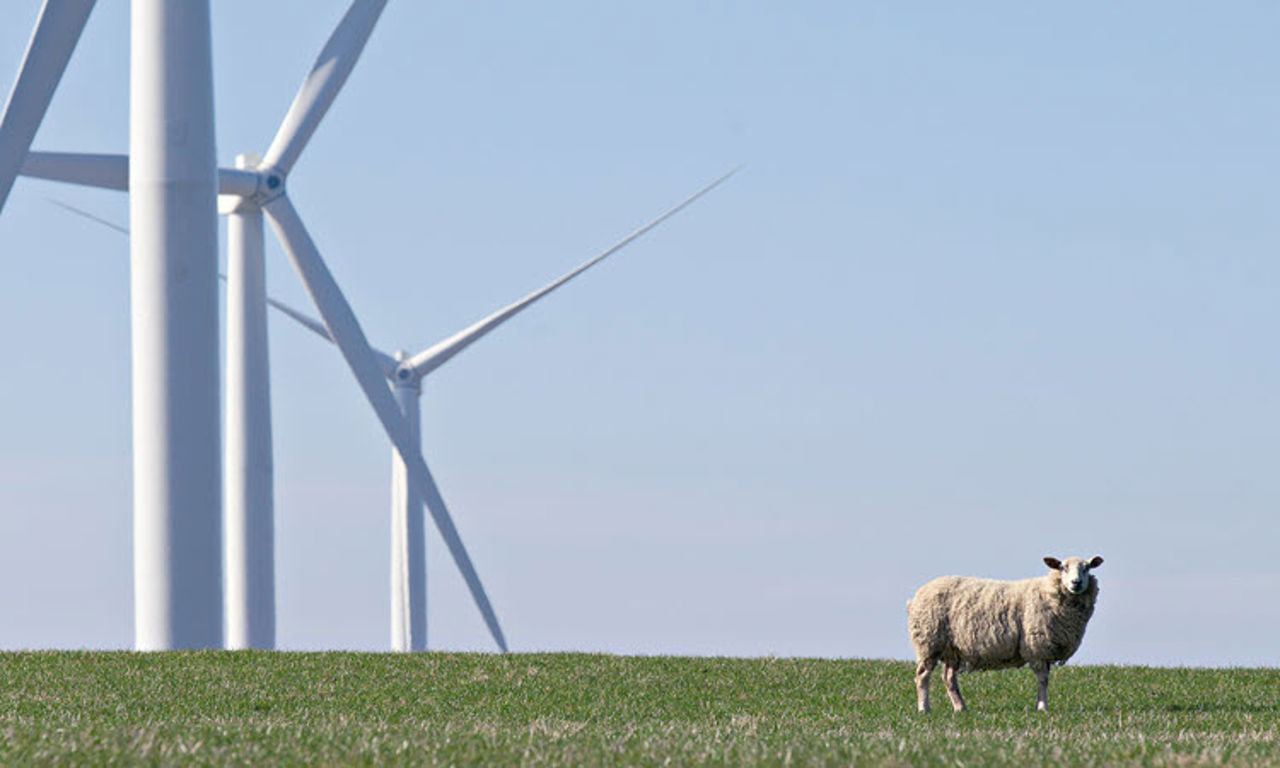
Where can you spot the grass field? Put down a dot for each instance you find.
(570, 709)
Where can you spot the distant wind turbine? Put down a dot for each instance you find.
(405, 374)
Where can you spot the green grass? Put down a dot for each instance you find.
(568, 709)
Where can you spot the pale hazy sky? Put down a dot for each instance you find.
(998, 281)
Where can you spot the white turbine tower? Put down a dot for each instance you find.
(405, 374)
(177, 498)
(249, 588)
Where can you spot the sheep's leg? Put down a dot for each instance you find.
(951, 676)
(1041, 668)
(923, 670)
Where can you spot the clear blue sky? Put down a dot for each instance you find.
(998, 281)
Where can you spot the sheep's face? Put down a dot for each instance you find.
(1073, 572)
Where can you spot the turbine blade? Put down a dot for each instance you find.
(322, 84)
(92, 217)
(385, 361)
(56, 34)
(306, 321)
(437, 355)
(434, 503)
(347, 334)
(87, 170)
(112, 172)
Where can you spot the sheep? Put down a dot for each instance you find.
(973, 624)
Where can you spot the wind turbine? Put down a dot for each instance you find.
(173, 290)
(405, 374)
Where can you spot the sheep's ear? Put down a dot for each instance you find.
(1053, 563)
(1095, 562)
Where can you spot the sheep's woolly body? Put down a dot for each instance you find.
(989, 624)
(966, 623)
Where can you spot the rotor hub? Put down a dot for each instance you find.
(404, 375)
(270, 185)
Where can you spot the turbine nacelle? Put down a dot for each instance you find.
(248, 186)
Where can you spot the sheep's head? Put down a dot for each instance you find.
(1073, 572)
